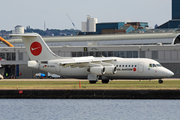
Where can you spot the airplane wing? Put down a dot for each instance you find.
(86, 63)
(74, 64)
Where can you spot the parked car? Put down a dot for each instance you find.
(40, 75)
(53, 76)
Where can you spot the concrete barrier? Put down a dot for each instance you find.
(91, 94)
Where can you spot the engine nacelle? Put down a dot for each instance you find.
(33, 64)
(110, 69)
(97, 70)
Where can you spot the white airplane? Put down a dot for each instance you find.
(91, 68)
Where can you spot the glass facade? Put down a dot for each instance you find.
(100, 26)
(175, 9)
(8, 56)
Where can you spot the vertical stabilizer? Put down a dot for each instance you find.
(36, 48)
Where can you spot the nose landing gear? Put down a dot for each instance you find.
(160, 81)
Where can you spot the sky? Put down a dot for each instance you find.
(33, 13)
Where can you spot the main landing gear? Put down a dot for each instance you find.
(94, 78)
(105, 81)
(92, 82)
(160, 81)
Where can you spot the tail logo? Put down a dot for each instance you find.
(36, 48)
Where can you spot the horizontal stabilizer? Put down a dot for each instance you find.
(24, 35)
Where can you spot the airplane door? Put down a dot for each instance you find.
(141, 67)
(155, 70)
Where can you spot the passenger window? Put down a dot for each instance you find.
(150, 65)
(119, 65)
(126, 65)
(116, 65)
(135, 65)
(132, 65)
(129, 66)
(123, 66)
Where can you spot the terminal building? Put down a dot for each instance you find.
(163, 47)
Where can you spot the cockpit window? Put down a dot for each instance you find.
(150, 65)
(159, 65)
(154, 65)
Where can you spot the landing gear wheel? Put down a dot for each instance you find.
(160, 81)
(105, 81)
(92, 82)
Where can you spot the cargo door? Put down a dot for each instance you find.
(141, 67)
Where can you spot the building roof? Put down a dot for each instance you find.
(109, 23)
(124, 27)
(18, 26)
(105, 37)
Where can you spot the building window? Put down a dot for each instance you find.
(105, 53)
(177, 71)
(2, 55)
(154, 54)
(129, 54)
(116, 53)
(79, 54)
(98, 54)
(73, 54)
(85, 53)
(142, 54)
(92, 54)
(9, 56)
(123, 54)
(13, 56)
(135, 54)
(110, 54)
(20, 56)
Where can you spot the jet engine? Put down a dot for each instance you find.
(110, 69)
(33, 64)
(97, 70)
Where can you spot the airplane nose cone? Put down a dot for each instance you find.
(169, 73)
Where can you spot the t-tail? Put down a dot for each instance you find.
(36, 48)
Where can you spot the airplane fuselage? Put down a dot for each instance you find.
(127, 68)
